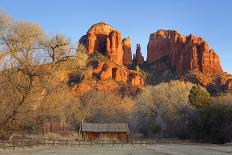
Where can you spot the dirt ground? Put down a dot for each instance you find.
(157, 149)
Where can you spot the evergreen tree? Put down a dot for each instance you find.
(199, 97)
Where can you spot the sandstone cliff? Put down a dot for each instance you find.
(127, 54)
(168, 49)
(103, 38)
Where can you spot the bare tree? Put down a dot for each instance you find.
(86, 107)
(20, 71)
(58, 48)
(165, 104)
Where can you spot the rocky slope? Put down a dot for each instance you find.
(168, 49)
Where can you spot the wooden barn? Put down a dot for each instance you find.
(103, 131)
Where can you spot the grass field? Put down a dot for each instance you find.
(157, 149)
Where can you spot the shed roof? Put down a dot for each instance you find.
(105, 127)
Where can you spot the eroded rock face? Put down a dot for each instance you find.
(120, 74)
(182, 53)
(107, 76)
(168, 49)
(138, 57)
(127, 54)
(103, 38)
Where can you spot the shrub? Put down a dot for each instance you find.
(199, 96)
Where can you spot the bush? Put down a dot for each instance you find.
(199, 96)
(212, 123)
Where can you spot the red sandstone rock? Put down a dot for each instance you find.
(106, 72)
(135, 79)
(182, 54)
(127, 54)
(138, 58)
(120, 74)
(103, 38)
(114, 47)
(109, 75)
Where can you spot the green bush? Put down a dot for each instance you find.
(199, 97)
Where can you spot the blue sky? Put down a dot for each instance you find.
(209, 19)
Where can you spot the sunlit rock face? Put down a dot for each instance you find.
(183, 54)
(103, 38)
(127, 54)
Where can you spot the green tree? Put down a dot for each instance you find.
(199, 97)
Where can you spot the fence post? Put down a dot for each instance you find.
(37, 142)
(132, 142)
(102, 143)
(23, 143)
(3, 145)
(140, 142)
(79, 143)
(91, 143)
(113, 142)
(29, 143)
(66, 143)
(13, 145)
(54, 142)
(44, 142)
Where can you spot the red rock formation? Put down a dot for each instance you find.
(170, 49)
(120, 74)
(127, 56)
(114, 47)
(103, 38)
(138, 57)
(108, 75)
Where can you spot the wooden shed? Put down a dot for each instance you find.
(104, 131)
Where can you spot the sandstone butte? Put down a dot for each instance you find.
(110, 74)
(182, 54)
(167, 49)
(103, 38)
